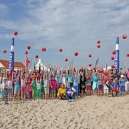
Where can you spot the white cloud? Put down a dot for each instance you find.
(72, 25)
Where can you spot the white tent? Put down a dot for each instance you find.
(109, 67)
(41, 64)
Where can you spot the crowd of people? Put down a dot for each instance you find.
(63, 84)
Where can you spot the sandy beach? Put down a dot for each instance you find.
(85, 113)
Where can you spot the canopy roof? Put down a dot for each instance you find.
(41, 64)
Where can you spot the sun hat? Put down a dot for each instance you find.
(122, 76)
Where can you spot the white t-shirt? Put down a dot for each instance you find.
(64, 80)
(4, 83)
(46, 83)
(38, 85)
(105, 87)
(9, 84)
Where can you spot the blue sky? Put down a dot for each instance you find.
(73, 25)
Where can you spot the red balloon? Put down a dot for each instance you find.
(100, 71)
(112, 58)
(76, 53)
(114, 52)
(15, 33)
(26, 52)
(60, 50)
(124, 36)
(98, 41)
(4, 51)
(28, 61)
(43, 49)
(66, 59)
(28, 47)
(90, 65)
(36, 56)
(98, 46)
(105, 80)
(106, 73)
(127, 55)
(113, 66)
(90, 55)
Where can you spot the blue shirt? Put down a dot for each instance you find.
(95, 78)
(57, 79)
(16, 86)
(70, 78)
(75, 82)
(115, 85)
(122, 82)
(53, 73)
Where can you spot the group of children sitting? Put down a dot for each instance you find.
(64, 85)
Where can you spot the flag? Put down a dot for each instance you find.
(116, 61)
(11, 60)
(97, 61)
(34, 67)
(39, 68)
(27, 62)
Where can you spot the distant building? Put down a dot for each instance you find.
(5, 64)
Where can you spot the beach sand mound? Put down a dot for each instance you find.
(85, 113)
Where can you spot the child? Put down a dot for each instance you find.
(115, 87)
(63, 79)
(9, 88)
(70, 93)
(16, 89)
(61, 92)
(5, 88)
(42, 87)
(38, 89)
(82, 84)
(100, 83)
(34, 87)
(106, 87)
(57, 78)
(46, 87)
(95, 83)
(122, 84)
(70, 78)
(23, 87)
(88, 84)
(75, 84)
(30, 91)
(53, 86)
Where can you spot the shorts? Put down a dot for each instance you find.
(16, 92)
(53, 91)
(10, 91)
(23, 88)
(100, 87)
(46, 90)
(115, 89)
(106, 91)
(88, 87)
(42, 89)
(122, 88)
